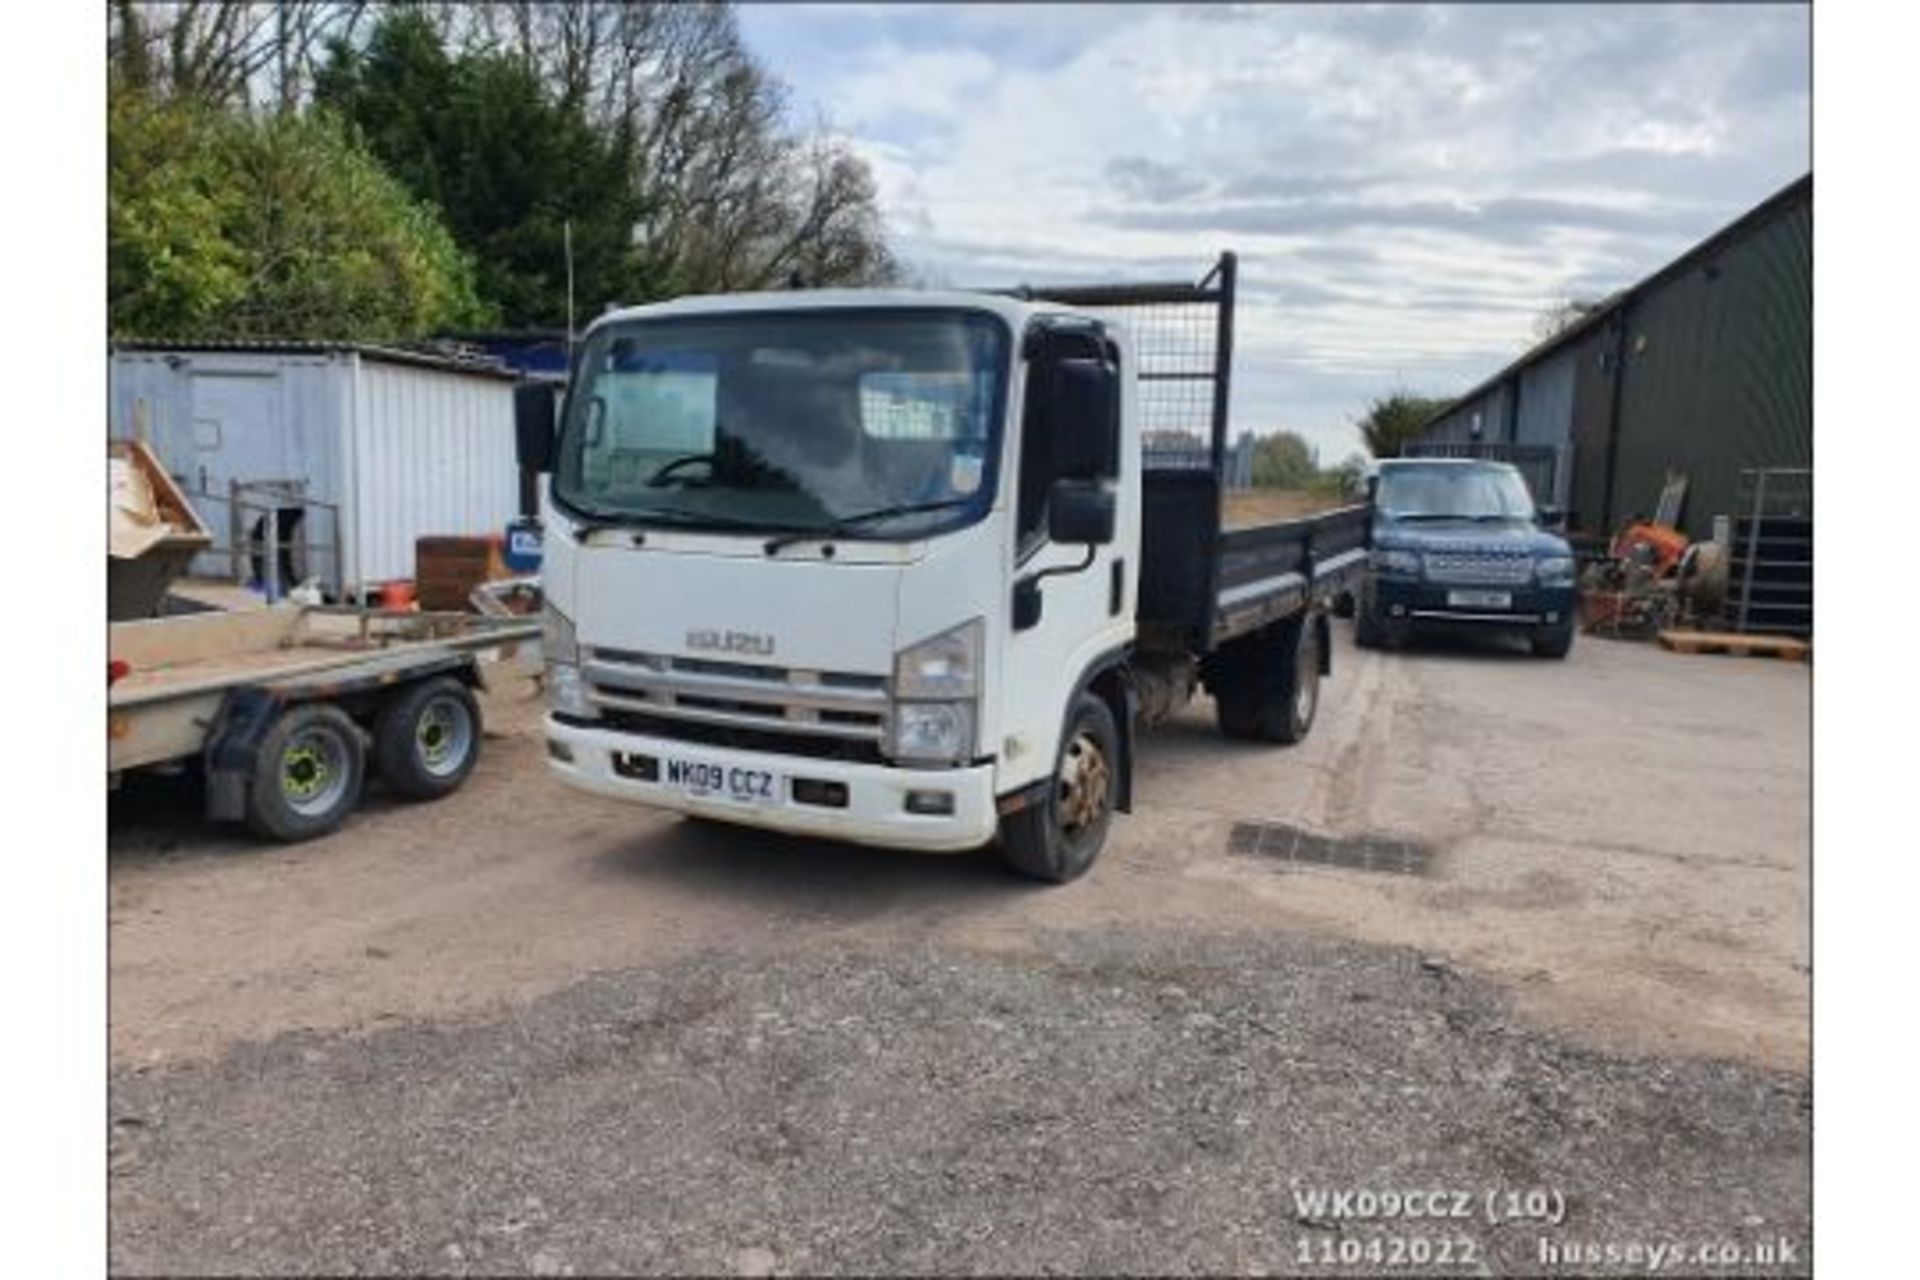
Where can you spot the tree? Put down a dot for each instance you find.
(511, 166)
(648, 126)
(1284, 460)
(1564, 315)
(1393, 420)
(220, 224)
(224, 52)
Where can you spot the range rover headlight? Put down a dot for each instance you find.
(941, 667)
(1396, 560)
(1554, 570)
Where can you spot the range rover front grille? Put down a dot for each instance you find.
(1479, 568)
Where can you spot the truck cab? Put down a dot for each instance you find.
(867, 565)
(1458, 543)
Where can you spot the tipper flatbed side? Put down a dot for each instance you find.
(278, 705)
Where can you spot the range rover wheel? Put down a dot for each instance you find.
(1553, 641)
(1059, 837)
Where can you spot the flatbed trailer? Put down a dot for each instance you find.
(285, 708)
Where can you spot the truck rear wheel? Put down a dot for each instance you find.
(308, 774)
(427, 738)
(1270, 689)
(1058, 838)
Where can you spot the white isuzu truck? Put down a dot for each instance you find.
(910, 568)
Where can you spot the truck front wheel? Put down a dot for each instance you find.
(1270, 691)
(307, 776)
(1058, 837)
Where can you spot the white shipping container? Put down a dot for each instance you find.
(403, 445)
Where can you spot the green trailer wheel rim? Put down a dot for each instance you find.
(314, 771)
(443, 735)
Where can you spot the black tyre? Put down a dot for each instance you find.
(1367, 633)
(308, 776)
(1554, 641)
(1269, 690)
(1058, 839)
(427, 738)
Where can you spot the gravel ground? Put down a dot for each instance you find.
(1111, 1101)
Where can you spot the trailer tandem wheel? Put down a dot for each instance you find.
(307, 774)
(426, 739)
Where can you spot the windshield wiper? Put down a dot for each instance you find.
(593, 521)
(846, 524)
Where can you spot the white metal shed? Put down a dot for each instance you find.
(390, 444)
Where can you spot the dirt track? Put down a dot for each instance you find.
(1617, 901)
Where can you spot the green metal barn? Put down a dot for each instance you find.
(1704, 367)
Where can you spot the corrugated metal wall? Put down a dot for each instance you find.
(1719, 372)
(215, 417)
(1545, 414)
(434, 452)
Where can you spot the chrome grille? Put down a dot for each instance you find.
(829, 704)
(1479, 568)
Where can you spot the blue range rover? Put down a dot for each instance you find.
(1457, 542)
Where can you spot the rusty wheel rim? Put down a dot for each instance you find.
(1085, 780)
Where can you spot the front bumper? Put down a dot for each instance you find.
(875, 811)
(1413, 601)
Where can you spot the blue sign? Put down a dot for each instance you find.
(524, 542)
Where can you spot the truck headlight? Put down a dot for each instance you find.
(935, 685)
(1395, 560)
(566, 691)
(557, 642)
(932, 732)
(1554, 570)
(945, 666)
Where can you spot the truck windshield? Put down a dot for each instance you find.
(1451, 491)
(788, 421)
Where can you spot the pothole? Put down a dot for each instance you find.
(1287, 843)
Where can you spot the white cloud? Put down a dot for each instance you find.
(1408, 187)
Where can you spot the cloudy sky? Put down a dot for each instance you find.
(1408, 187)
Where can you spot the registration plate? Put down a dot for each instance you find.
(1480, 599)
(729, 782)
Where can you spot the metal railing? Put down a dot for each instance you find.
(271, 538)
(1773, 552)
(1183, 345)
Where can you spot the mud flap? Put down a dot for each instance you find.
(233, 749)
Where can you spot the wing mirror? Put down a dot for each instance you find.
(533, 425)
(1080, 511)
(1085, 418)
